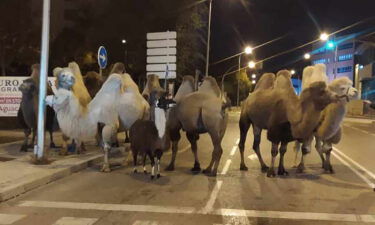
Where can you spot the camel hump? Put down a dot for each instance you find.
(152, 85)
(318, 74)
(210, 86)
(283, 80)
(266, 81)
(186, 87)
(306, 76)
(118, 68)
(128, 84)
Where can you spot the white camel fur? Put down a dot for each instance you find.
(329, 130)
(115, 100)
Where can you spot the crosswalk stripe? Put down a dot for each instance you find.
(75, 221)
(10, 218)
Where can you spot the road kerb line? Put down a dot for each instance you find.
(372, 175)
(365, 218)
(365, 179)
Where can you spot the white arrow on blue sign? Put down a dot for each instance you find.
(102, 57)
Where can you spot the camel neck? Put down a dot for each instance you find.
(309, 120)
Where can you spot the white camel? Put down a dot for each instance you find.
(329, 130)
(117, 99)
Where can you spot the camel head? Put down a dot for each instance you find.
(28, 87)
(343, 86)
(152, 85)
(319, 94)
(118, 68)
(64, 77)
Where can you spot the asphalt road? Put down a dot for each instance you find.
(233, 197)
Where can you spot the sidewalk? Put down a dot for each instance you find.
(18, 175)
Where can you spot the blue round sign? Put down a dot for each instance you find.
(102, 57)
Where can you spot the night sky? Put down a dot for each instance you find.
(237, 23)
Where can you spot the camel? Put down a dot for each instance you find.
(115, 102)
(150, 137)
(274, 106)
(28, 111)
(151, 85)
(196, 113)
(328, 131)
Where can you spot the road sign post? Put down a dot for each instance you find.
(102, 58)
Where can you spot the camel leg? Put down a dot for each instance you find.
(170, 167)
(244, 125)
(306, 149)
(107, 134)
(135, 162)
(192, 137)
(256, 147)
(216, 155)
(158, 157)
(282, 151)
(33, 140)
(52, 143)
(319, 149)
(327, 148)
(144, 164)
(152, 159)
(64, 148)
(127, 140)
(297, 149)
(24, 146)
(78, 146)
(274, 152)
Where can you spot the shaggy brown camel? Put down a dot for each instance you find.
(197, 113)
(274, 106)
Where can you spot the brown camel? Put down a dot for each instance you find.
(274, 106)
(197, 113)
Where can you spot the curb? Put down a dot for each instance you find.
(31, 182)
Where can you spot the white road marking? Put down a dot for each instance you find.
(253, 156)
(108, 207)
(150, 222)
(226, 167)
(10, 218)
(355, 163)
(238, 141)
(211, 201)
(75, 221)
(365, 218)
(360, 175)
(360, 130)
(234, 149)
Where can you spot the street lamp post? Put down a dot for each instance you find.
(208, 38)
(248, 50)
(125, 52)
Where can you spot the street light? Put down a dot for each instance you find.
(248, 50)
(323, 36)
(251, 64)
(254, 76)
(123, 41)
(253, 81)
(208, 38)
(292, 72)
(307, 56)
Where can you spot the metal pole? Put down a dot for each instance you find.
(238, 80)
(334, 65)
(39, 148)
(208, 38)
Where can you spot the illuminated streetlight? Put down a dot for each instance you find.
(123, 41)
(323, 36)
(248, 50)
(254, 76)
(253, 81)
(251, 64)
(307, 56)
(292, 72)
(330, 44)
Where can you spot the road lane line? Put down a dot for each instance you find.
(10, 218)
(367, 181)
(75, 221)
(357, 129)
(253, 156)
(211, 201)
(238, 141)
(226, 167)
(234, 149)
(365, 218)
(355, 163)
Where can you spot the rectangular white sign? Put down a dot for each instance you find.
(161, 51)
(171, 74)
(161, 59)
(161, 44)
(10, 96)
(162, 35)
(160, 67)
